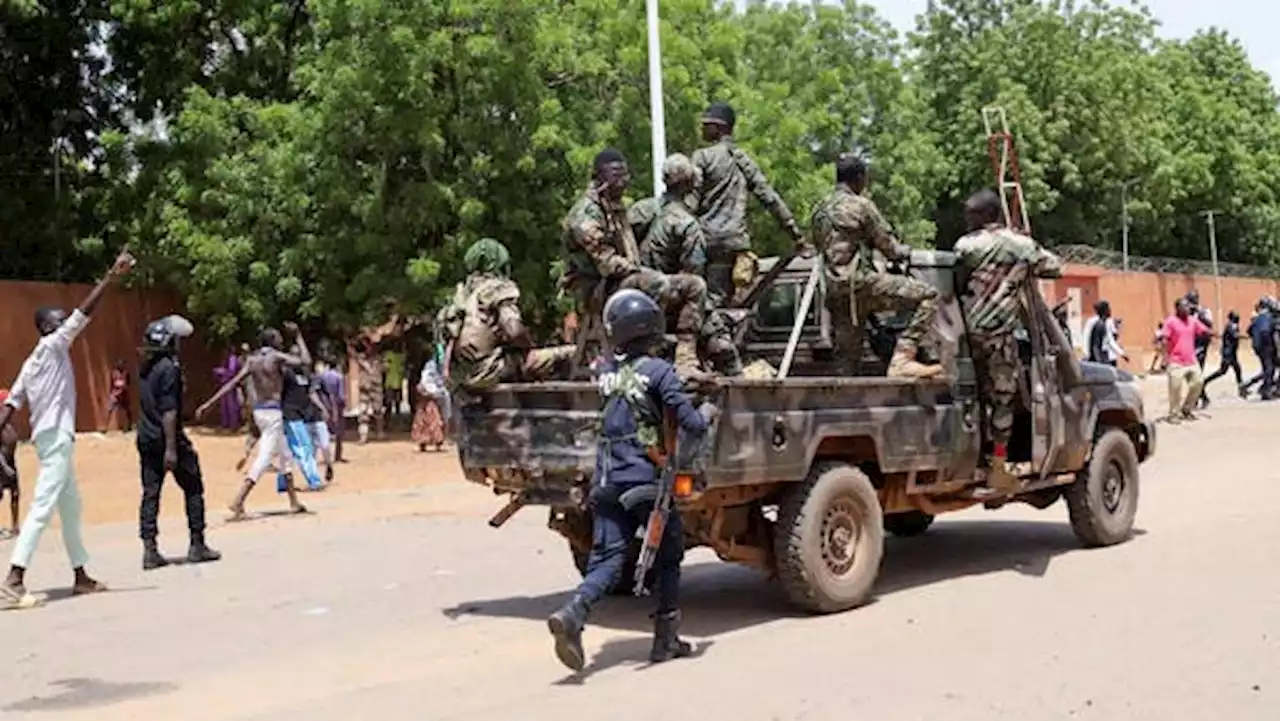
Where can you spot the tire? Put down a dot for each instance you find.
(1101, 511)
(819, 573)
(625, 585)
(906, 525)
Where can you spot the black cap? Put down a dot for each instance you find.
(721, 114)
(606, 156)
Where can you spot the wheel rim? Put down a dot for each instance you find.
(841, 533)
(1113, 487)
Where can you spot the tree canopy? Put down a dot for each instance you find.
(330, 159)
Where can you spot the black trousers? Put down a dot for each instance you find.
(1229, 362)
(1267, 376)
(186, 473)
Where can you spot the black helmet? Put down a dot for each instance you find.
(720, 114)
(630, 315)
(163, 334)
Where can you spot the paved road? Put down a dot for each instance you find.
(406, 606)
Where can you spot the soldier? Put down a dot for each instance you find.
(999, 263)
(489, 343)
(603, 258)
(637, 391)
(846, 227)
(673, 243)
(720, 202)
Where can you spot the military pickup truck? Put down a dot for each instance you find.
(801, 477)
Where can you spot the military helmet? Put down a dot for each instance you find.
(630, 315)
(679, 170)
(163, 334)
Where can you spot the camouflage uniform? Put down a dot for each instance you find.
(999, 262)
(846, 228)
(481, 355)
(675, 244)
(720, 200)
(603, 259)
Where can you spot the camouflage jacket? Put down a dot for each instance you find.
(846, 228)
(999, 261)
(471, 321)
(598, 241)
(640, 217)
(674, 243)
(721, 201)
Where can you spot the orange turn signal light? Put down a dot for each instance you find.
(683, 487)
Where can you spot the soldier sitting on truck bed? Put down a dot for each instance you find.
(672, 242)
(999, 262)
(603, 258)
(847, 227)
(488, 341)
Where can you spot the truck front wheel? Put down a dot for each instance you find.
(1103, 500)
(829, 540)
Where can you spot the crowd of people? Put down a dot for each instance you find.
(1181, 346)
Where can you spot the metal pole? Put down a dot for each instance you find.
(1213, 255)
(656, 115)
(801, 315)
(1124, 215)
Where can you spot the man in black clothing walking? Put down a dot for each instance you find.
(1261, 333)
(162, 444)
(1230, 351)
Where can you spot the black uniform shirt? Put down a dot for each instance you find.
(159, 391)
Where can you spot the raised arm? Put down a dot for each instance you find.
(304, 354)
(226, 388)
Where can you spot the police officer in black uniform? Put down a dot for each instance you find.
(637, 390)
(162, 444)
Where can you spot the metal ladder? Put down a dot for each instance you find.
(1004, 162)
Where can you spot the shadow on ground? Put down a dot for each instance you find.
(83, 693)
(719, 598)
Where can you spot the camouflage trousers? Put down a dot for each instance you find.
(681, 296)
(510, 365)
(995, 360)
(877, 293)
(730, 271)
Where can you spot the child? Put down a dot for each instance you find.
(9, 472)
(119, 399)
(1157, 345)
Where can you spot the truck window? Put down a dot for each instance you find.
(778, 307)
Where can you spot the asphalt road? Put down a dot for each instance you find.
(405, 605)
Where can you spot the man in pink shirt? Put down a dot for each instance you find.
(1185, 379)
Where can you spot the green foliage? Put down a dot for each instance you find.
(331, 159)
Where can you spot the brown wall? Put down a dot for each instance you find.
(115, 332)
(1142, 300)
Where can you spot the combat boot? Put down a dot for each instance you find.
(151, 558)
(666, 639)
(199, 552)
(566, 626)
(687, 355)
(904, 364)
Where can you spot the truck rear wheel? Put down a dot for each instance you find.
(1103, 500)
(829, 539)
(911, 523)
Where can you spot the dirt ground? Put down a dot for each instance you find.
(395, 601)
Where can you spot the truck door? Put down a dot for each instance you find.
(1044, 387)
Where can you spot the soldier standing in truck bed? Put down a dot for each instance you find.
(604, 258)
(720, 202)
(487, 337)
(999, 262)
(847, 227)
(673, 243)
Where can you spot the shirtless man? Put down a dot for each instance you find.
(266, 367)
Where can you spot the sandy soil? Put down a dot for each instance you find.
(396, 601)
